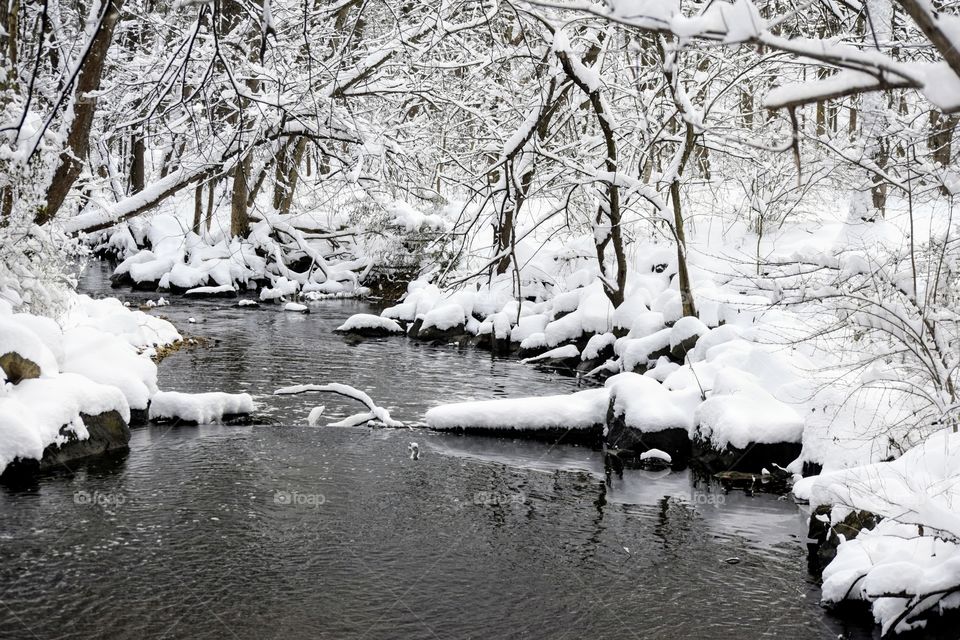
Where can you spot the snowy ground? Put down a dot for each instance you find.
(97, 358)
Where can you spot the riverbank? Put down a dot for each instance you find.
(262, 349)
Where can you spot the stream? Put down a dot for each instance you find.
(280, 530)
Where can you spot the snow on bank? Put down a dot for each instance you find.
(33, 412)
(201, 408)
(900, 574)
(578, 411)
(162, 251)
(90, 363)
(910, 563)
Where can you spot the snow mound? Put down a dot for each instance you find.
(648, 406)
(740, 412)
(444, 317)
(30, 421)
(202, 408)
(656, 454)
(560, 353)
(894, 570)
(16, 338)
(579, 411)
(367, 321)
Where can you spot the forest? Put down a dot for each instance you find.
(688, 265)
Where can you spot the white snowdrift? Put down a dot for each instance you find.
(361, 321)
(648, 406)
(33, 412)
(578, 411)
(202, 408)
(92, 362)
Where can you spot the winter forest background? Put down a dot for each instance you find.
(734, 220)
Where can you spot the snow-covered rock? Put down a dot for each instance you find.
(367, 324)
(583, 411)
(199, 408)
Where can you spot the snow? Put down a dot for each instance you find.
(106, 359)
(30, 422)
(528, 326)
(684, 329)
(648, 406)
(296, 307)
(656, 454)
(892, 568)
(565, 329)
(375, 412)
(313, 419)
(740, 412)
(16, 338)
(444, 317)
(920, 487)
(411, 220)
(95, 359)
(206, 291)
(560, 353)
(281, 287)
(596, 344)
(578, 411)
(361, 321)
(202, 408)
(637, 352)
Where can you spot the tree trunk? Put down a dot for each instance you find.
(683, 274)
(868, 204)
(197, 208)
(84, 107)
(239, 215)
(293, 175)
(211, 194)
(137, 165)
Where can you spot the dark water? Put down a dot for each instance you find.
(286, 531)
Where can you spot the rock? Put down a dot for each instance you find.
(563, 359)
(367, 332)
(811, 469)
(825, 538)
(737, 478)
(118, 280)
(588, 437)
(675, 442)
(18, 368)
(211, 292)
(679, 351)
(413, 330)
(753, 458)
(655, 460)
(139, 417)
(497, 346)
(434, 334)
(684, 335)
(364, 325)
(108, 432)
(145, 285)
(296, 307)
